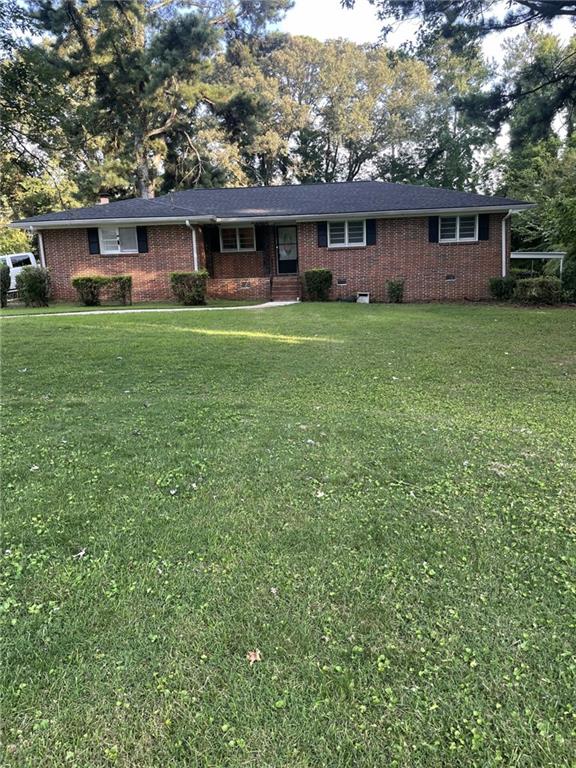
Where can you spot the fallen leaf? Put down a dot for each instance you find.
(499, 469)
(254, 656)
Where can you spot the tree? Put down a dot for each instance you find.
(444, 144)
(130, 86)
(540, 82)
(142, 70)
(326, 111)
(463, 20)
(254, 120)
(536, 89)
(463, 23)
(544, 173)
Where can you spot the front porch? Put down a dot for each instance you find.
(252, 261)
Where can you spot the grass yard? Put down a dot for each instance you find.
(381, 499)
(61, 306)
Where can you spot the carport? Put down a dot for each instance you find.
(540, 256)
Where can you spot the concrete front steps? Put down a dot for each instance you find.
(285, 288)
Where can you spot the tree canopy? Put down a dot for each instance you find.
(146, 96)
(464, 20)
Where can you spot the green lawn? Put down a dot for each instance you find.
(381, 499)
(21, 309)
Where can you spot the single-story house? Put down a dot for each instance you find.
(256, 242)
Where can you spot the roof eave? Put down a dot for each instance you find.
(377, 214)
(192, 219)
(61, 223)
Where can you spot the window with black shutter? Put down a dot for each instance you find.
(114, 241)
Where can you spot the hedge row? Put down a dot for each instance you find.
(89, 289)
(530, 290)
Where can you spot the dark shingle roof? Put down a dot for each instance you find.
(291, 200)
(134, 208)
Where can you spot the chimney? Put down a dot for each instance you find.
(104, 200)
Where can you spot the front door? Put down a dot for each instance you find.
(287, 245)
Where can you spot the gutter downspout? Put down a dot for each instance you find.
(41, 252)
(504, 243)
(194, 244)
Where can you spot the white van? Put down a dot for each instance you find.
(17, 262)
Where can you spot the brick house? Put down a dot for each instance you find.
(256, 242)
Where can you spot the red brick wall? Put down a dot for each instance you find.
(238, 288)
(402, 250)
(169, 250)
(247, 264)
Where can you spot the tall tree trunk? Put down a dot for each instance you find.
(144, 183)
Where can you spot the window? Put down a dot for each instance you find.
(21, 261)
(456, 229)
(237, 239)
(118, 240)
(346, 233)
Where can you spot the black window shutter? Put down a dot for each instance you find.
(261, 232)
(483, 226)
(433, 228)
(370, 231)
(322, 234)
(93, 241)
(142, 235)
(211, 239)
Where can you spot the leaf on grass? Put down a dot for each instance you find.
(499, 469)
(254, 656)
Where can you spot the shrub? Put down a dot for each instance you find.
(121, 286)
(33, 285)
(189, 287)
(539, 290)
(569, 275)
(395, 291)
(89, 288)
(4, 284)
(519, 273)
(502, 288)
(317, 283)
